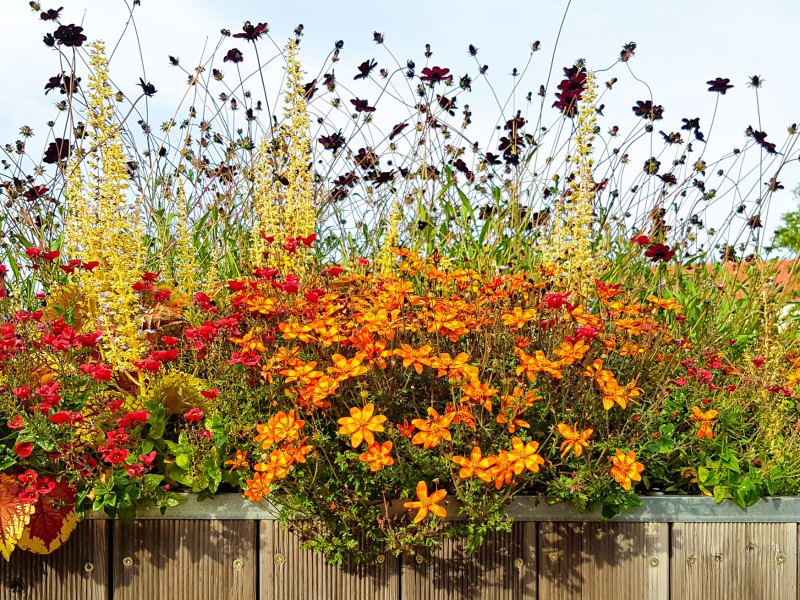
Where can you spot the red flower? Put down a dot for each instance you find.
(758, 361)
(555, 301)
(193, 415)
(29, 477)
(641, 240)
(23, 449)
(210, 394)
(29, 495)
(657, 252)
(135, 470)
(147, 459)
(16, 423)
(434, 75)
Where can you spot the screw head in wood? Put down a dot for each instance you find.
(420, 559)
(279, 558)
(780, 558)
(381, 559)
(719, 556)
(553, 555)
(691, 560)
(238, 564)
(127, 561)
(654, 562)
(88, 567)
(519, 563)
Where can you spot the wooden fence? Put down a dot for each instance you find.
(246, 558)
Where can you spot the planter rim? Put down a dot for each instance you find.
(656, 509)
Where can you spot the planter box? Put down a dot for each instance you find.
(672, 548)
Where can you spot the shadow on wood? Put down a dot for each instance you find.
(77, 570)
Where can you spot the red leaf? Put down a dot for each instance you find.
(53, 521)
(14, 514)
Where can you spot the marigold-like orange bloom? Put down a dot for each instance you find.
(433, 429)
(283, 426)
(573, 440)
(414, 357)
(303, 373)
(259, 304)
(524, 456)
(453, 367)
(296, 331)
(538, 363)
(278, 466)
(237, 462)
(706, 419)
(619, 395)
(518, 317)
(478, 392)
(378, 456)
(475, 465)
(665, 303)
(502, 471)
(625, 469)
(345, 369)
(572, 353)
(257, 487)
(426, 503)
(361, 424)
(249, 342)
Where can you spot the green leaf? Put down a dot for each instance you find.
(183, 461)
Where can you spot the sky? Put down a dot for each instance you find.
(681, 45)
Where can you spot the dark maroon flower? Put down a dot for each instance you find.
(377, 37)
(332, 142)
(647, 110)
(37, 191)
(51, 14)
(570, 91)
(627, 51)
(329, 79)
(69, 35)
(472, 50)
(434, 75)
(657, 252)
(397, 130)
(719, 85)
(57, 151)
(365, 68)
(761, 139)
(233, 56)
(252, 32)
(148, 89)
(362, 105)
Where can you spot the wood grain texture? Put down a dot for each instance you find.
(185, 560)
(745, 561)
(600, 561)
(76, 571)
(290, 573)
(504, 568)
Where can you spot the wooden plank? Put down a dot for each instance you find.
(746, 561)
(290, 573)
(504, 568)
(599, 561)
(185, 560)
(76, 571)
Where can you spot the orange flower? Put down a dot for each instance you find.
(665, 303)
(238, 461)
(478, 392)
(502, 471)
(538, 363)
(453, 367)
(619, 395)
(427, 503)
(573, 439)
(281, 427)
(296, 331)
(257, 487)
(518, 317)
(571, 353)
(361, 425)
(414, 357)
(249, 343)
(524, 456)
(378, 456)
(474, 465)
(433, 429)
(706, 419)
(345, 369)
(278, 466)
(301, 372)
(626, 469)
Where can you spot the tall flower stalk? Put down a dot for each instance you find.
(105, 223)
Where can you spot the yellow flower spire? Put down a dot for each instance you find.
(287, 210)
(104, 223)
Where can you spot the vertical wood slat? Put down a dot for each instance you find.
(504, 568)
(746, 561)
(185, 560)
(291, 573)
(76, 571)
(598, 561)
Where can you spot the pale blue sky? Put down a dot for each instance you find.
(681, 44)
